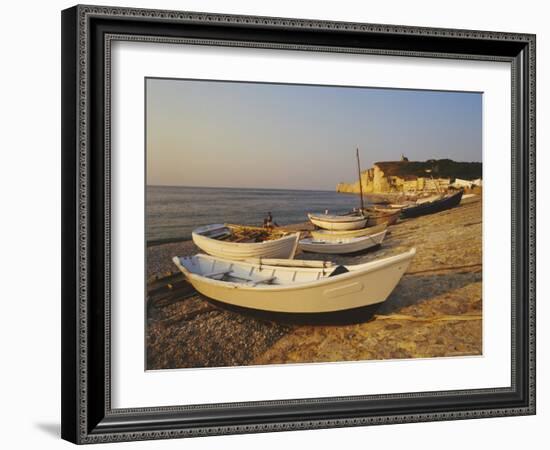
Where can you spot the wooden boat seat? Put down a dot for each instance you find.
(229, 273)
(217, 234)
(264, 280)
(215, 274)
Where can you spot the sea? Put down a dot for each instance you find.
(174, 211)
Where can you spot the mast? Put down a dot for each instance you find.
(360, 182)
(436, 183)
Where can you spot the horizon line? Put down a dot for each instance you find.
(240, 187)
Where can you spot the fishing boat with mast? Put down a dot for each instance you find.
(338, 223)
(354, 221)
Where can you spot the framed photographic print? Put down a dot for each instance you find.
(277, 224)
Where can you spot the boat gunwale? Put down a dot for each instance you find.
(436, 206)
(350, 239)
(349, 233)
(377, 213)
(355, 271)
(249, 244)
(428, 204)
(336, 219)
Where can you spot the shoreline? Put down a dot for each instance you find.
(373, 198)
(300, 226)
(443, 281)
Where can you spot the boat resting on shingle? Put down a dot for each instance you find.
(217, 240)
(337, 235)
(343, 245)
(296, 291)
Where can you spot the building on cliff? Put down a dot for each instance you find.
(412, 176)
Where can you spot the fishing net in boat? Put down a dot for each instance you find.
(241, 233)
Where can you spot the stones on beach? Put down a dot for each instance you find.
(444, 279)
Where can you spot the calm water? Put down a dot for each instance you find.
(173, 212)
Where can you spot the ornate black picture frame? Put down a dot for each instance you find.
(87, 33)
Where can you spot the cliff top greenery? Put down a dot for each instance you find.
(438, 168)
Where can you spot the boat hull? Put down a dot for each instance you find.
(343, 224)
(284, 247)
(336, 235)
(378, 218)
(341, 317)
(343, 246)
(432, 207)
(363, 285)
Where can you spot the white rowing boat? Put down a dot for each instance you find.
(294, 290)
(336, 235)
(343, 245)
(209, 239)
(332, 222)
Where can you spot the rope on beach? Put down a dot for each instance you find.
(444, 318)
(438, 269)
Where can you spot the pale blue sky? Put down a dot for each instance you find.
(233, 134)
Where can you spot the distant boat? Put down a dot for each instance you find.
(216, 241)
(336, 235)
(352, 221)
(378, 216)
(428, 199)
(296, 294)
(339, 223)
(434, 205)
(388, 208)
(343, 245)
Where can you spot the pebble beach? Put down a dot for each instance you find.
(435, 310)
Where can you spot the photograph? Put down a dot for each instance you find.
(302, 223)
(275, 221)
